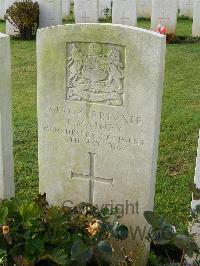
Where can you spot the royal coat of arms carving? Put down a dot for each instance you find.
(95, 77)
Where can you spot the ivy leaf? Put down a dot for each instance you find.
(121, 232)
(3, 215)
(105, 246)
(181, 242)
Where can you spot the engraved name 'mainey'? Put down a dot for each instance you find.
(95, 77)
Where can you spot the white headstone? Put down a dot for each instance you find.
(50, 13)
(6, 139)
(11, 29)
(186, 8)
(196, 18)
(197, 174)
(104, 5)
(2, 9)
(99, 105)
(164, 12)
(144, 8)
(86, 11)
(65, 8)
(124, 12)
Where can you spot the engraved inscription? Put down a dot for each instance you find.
(92, 178)
(104, 129)
(95, 75)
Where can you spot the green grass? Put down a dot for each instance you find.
(179, 127)
(184, 27)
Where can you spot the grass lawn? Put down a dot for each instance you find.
(179, 127)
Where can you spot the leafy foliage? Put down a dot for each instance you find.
(34, 233)
(163, 233)
(24, 15)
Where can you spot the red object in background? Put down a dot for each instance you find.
(161, 29)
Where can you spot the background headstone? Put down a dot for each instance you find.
(50, 13)
(99, 105)
(66, 8)
(186, 8)
(86, 11)
(164, 12)
(124, 12)
(6, 139)
(10, 28)
(2, 9)
(103, 6)
(144, 8)
(196, 18)
(197, 174)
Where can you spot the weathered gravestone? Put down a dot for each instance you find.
(86, 11)
(11, 29)
(50, 13)
(99, 104)
(196, 18)
(197, 174)
(6, 148)
(186, 8)
(164, 12)
(144, 8)
(124, 12)
(65, 8)
(2, 9)
(104, 7)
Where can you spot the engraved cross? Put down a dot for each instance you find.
(92, 178)
(124, 18)
(163, 17)
(85, 17)
(188, 5)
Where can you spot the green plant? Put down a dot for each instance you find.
(33, 233)
(108, 14)
(163, 233)
(153, 260)
(24, 15)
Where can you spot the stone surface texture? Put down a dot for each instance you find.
(124, 12)
(99, 105)
(165, 13)
(86, 11)
(50, 13)
(6, 138)
(196, 18)
(144, 8)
